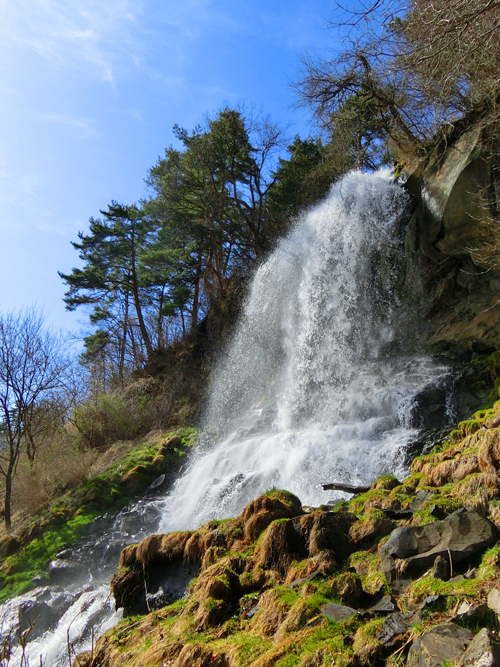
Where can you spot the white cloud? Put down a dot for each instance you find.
(82, 33)
(86, 126)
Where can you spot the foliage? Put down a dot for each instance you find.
(406, 72)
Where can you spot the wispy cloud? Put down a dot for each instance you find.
(84, 125)
(81, 33)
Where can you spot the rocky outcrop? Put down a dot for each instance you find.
(412, 549)
(281, 584)
(450, 243)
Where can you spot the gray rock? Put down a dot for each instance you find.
(384, 606)
(458, 537)
(483, 651)
(393, 626)
(156, 484)
(338, 612)
(494, 600)
(444, 643)
(469, 612)
(420, 497)
(441, 568)
(36, 615)
(63, 571)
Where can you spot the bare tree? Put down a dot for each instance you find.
(32, 367)
(412, 67)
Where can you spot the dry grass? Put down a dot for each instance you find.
(271, 614)
(59, 466)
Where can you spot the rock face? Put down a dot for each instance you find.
(411, 549)
(159, 569)
(446, 243)
(444, 643)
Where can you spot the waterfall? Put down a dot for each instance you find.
(317, 385)
(318, 382)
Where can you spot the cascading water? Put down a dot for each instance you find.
(308, 391)
(318, 385)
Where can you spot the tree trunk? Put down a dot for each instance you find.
(8, 500)
(140, 319)
(196, 295)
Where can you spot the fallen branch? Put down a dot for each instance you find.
(348, 488)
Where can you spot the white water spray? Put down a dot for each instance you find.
(307, 392)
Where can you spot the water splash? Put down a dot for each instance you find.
(318, 384)
(311, 389)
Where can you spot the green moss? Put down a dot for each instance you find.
(68, 518)
(249, 646)
(430, 586)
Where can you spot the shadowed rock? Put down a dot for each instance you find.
(411, 549)
(444, 643)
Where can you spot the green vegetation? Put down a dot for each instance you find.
(68, 517)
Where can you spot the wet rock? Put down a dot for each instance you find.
(431, 408)
(411, 549)
(64, 571)
(423, 444)
(36, 615)
(444, 643)
(483, 651)
(393, 626)
(156, 485)
(338, 612)
(155, 567)
(65, 554)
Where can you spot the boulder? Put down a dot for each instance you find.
(384, 606)
(444, 643)
(483, 651)
(494, 600)
(338, 612)
(64, 571)
(470, 613)
(36, 615)
(394, 625)
(411, 549)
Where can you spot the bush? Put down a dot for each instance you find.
(107, 419)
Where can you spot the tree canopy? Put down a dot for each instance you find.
(407, 71)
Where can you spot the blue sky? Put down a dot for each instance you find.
(90, 91)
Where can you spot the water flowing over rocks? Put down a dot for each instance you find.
(324, 380)
(321, 380)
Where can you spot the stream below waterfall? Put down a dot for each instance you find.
(320, 383)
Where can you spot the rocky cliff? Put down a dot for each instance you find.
(452, 244)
